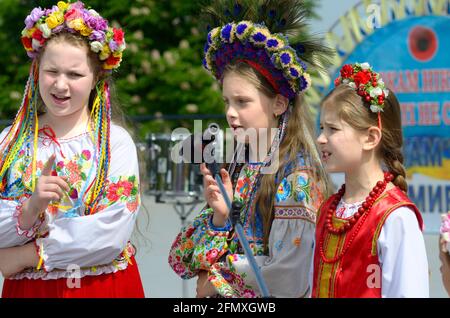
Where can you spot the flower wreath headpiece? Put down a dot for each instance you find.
(367, 83)
(41, 24)
(255, 32)
(109, 44)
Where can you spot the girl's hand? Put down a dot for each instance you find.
(13, 260)
(204, 286)
(48, 188)
(213, 195)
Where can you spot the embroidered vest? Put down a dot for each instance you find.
(357, 273)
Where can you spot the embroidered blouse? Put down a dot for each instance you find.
(286, 267)
(66, 238)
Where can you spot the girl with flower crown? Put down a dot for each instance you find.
(368, 239)
(69, 191)
(263, 79)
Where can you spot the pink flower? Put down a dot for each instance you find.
(112, 193)
(212, 255)
(86, 154)
(124, 188)
(72, 14)
(178, 268)
(248, 293)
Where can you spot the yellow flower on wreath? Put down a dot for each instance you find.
(62, 5)
(55, 19)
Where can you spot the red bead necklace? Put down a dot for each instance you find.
(363, 212)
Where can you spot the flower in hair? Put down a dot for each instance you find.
(367, 84)
(41, 24)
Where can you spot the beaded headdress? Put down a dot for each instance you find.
(270, 36)
(109, 43)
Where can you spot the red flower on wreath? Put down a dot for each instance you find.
(346, 71)
(118, 36)
(362, 77)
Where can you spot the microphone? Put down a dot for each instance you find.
(203, 148)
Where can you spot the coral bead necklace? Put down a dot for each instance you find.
(362, 213)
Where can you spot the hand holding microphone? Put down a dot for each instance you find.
(213, 195)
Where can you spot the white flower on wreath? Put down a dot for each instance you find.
(46, 32)
(386, 92)
(93, 13)
(35, 44)
(375, 92)
(365, 66)
(375, 109)
(96, 46)
(352, 85)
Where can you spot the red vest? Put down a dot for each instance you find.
(357, 273)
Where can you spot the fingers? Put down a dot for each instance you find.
(46, 171)
(51, 190)
(212, 192)
(225, 176)
(60, 181)
(204, 171)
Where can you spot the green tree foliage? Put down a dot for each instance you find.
(161, 72)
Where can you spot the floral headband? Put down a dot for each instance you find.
(270, 54)
(107, 42)
(367, 83)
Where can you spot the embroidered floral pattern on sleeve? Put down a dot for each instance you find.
(297, 188)
(121, 189)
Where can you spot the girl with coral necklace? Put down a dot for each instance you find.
(368, 238)
(69, 177)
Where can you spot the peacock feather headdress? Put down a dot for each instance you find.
(271, 36)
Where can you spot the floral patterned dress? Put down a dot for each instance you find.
(287, 266)
(96, 243)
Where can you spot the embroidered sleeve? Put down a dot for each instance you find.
(287, 268)
(99, 238)
(297, 197)
(198, 246)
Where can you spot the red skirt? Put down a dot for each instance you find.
(121, 284)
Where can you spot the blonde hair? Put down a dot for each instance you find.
(97, 68)
(299, 138)
(353, 110)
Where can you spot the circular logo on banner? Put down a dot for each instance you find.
(422, 43)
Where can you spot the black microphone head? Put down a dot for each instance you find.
(201, 147)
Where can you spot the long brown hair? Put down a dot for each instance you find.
(299, 138)
(99, 74)
(353, 110)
